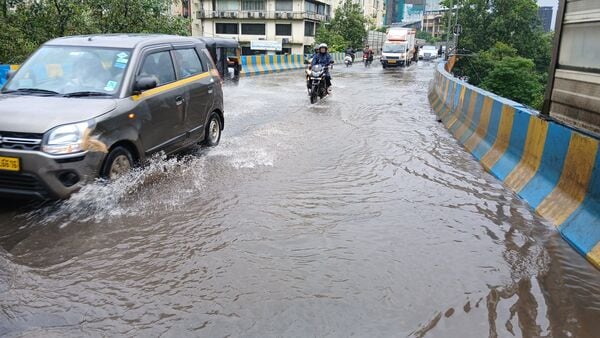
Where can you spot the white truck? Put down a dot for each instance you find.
(399, 47)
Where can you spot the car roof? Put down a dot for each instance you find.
(119, 40)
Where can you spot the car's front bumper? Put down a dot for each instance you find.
(392, 63)
(45, 176)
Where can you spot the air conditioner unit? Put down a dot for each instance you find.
(289, 15)
(199, 15)
(250, 14)
(261, 14)
(278, 15)
(233, 14)
(285, 41)
(222, 14)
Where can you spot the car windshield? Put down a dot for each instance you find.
(429, 48)
(71, 71)
(394, 48)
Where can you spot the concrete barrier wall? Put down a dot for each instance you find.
(555, 169)
(267, 64)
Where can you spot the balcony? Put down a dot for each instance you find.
(261, 15)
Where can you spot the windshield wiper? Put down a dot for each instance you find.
(86, 93)
(31, 91)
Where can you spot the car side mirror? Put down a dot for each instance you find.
(144, 83)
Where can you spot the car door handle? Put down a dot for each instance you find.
(179, 100)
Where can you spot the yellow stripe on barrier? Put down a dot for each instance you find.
(594, 255)
(572, 186)
(169, 86)
(470, 112)
(14, 67)
(459, 108)
(482, 127)
(532, 155)
(259, 64)
(502, 138)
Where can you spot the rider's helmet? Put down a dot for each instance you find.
(323, 45)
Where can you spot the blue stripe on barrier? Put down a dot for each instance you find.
(516, 145)
(577, 228)
(475, 121)
(544, 181)
(464, 111)
(490, 136)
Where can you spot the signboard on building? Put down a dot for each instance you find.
(265, 45)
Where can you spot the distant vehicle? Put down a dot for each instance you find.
(83, 107)
(348, 60)
(399, 47)
(428, 52)
(227, 55)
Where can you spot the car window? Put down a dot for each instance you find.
(207, 60)
(160, 66)
(73, 69)
(187, 62)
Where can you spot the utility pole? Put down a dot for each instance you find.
(449, 30)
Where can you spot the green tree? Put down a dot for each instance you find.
(515, 78)
(334, 41)
(32, 23)
(348, 24)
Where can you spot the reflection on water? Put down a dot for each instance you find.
(359, 215)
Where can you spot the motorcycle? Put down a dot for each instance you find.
(318, 84)
(348, 60)
(367, 60)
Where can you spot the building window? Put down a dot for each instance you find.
(227, 5)
(283, 29)
(309, 28)
(310, 7)
(253, 28)
(284, 5)
(580, 47)
(253, 5)
(227, 28)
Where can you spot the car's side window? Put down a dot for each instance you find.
(160, 66)
(187, 62)
(207, 59)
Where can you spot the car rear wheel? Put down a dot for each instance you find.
(213, 131)
(118, 162)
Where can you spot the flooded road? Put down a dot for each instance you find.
(359, 215)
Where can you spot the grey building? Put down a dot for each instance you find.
(545, 13)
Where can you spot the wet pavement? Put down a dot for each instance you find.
(359, 215)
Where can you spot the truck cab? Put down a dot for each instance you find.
(399, 47)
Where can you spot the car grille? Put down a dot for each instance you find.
(21, 181)
(20, 141)
(393, 58)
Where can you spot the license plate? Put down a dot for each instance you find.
(391, 61)
(10, 163)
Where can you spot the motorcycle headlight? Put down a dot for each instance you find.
(66, 139)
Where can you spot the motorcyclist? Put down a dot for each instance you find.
(368, 53)
(350, 51)
(324, 59)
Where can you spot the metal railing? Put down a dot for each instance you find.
(267, 15)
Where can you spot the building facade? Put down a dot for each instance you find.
(433, 23)
(293, 23)
(373, 10)
(546, 13)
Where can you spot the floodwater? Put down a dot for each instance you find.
(357, 216)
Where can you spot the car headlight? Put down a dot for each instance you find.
(383, 57)
(66, 139)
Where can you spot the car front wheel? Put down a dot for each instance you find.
(213, 131)
(118, 162)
